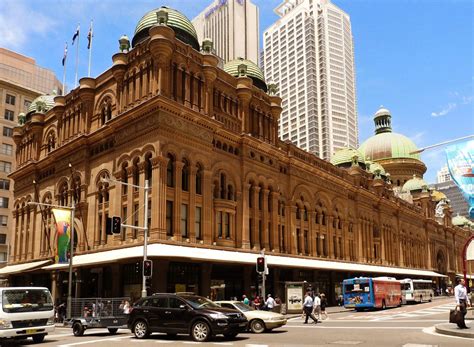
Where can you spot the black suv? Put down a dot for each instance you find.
(184, 314)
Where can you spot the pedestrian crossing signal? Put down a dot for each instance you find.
(261, 264)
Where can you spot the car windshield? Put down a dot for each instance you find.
(26, 300)
(242, 307)
(200, 302)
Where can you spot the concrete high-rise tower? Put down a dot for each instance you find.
(309, 54)
(233, 27)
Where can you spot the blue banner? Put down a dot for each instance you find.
(460, 159)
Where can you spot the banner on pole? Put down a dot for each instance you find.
(63, 229)
(460, 159)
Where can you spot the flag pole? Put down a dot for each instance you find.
(77, 55)
(64, 69)
(90, 49)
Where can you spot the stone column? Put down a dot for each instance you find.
(141, 199)
(244, 220)
(178, 172)
(265, 219)
(158, 198)
(207, 207)
(330, 235)
(274, 240)
(192, 203)
(255, 236)
(130, 205)
(187, 89)
(292, 230)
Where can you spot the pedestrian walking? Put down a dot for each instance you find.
(245, 300)
(462, 301)
(270, 303)
(324, 303)
(308, 308)
(256, 303)
(317, 307)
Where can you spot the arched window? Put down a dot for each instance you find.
(63, 192)
(124, 179)
(199, 179)
(148, 168)
(136, 174)
(51, 141)
(223, 186)
(185, 176)
(77, 189)
(170, 171)
(230, 192)
(305, 214)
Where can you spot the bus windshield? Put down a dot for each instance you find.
(406, 286)
(26, 300)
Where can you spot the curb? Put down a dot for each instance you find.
(450, 329)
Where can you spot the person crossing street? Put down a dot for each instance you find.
(308, 308)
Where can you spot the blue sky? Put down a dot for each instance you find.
(415, 57)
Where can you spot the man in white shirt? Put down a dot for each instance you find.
(317, 307)
(308, 308)
(270, 303)
(460, 294)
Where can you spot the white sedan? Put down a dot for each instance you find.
(259, 320)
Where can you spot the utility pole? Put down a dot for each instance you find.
(144, 228)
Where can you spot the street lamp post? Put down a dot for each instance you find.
(144, 228)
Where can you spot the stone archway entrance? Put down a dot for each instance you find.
(442, 268)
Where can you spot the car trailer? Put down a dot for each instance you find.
(90, 313)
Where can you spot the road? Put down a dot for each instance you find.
(408, 326)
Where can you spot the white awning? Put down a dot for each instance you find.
(11, 269)
(236, 257)
(471, 277)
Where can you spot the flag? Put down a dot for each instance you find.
(76, 34)
(63, 229)
(89, 37)
(65, 53)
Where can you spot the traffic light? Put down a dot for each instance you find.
(148, 282)
(261, 264)
(108, 226)
(116, 225)
(147, 268)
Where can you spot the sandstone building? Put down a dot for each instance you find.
(223, 185)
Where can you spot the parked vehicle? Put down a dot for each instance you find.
(26, 312)
(416, 290)
(259, 321)
(184, 314)
(367, 292)
(89, 313)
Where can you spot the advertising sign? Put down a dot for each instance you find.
(63, 229)
(294, 297)
(460, 159)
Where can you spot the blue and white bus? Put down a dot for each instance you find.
(368, 293)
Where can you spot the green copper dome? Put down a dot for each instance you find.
(460, 221)
(41, 104)
(345, 155)
(176, 20)
(414, 184)
(374, 167)
(386, 144)
(253, 71)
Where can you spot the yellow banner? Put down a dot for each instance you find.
(63, 229)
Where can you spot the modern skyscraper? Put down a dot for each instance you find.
(233, 27)
(21, 81)
(309, 54)
(443, 175)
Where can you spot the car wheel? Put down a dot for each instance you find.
(38, 338)
(200, 331)
(78, 329)
(140, 329)
(230, 335)
(257, 326)
(113, 331)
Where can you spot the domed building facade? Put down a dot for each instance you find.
(223, 186)
(395, 152)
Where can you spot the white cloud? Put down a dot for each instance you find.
(467, 99)
(15, 33)
(451, 106)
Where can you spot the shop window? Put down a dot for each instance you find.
(170, 171)
(197, 222)
(199, 173)
(185, 176)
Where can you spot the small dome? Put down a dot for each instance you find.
(414, 184)
(253, 71)
(345, 155)
(382, 111)
(438, 196)
(374, 167)
(181, 25)
(460, 221)
(41, 104)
